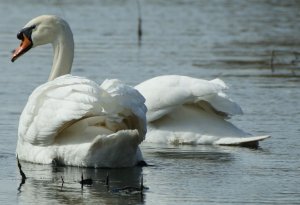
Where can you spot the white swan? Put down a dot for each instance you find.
(72, 120)
(185, 110)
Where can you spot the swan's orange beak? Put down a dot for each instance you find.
(25, 45)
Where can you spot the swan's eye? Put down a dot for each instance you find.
(25, 31)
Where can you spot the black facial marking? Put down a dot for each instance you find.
(25, 31)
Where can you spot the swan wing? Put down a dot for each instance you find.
(166, 93)
(131, 102)
(61, 105)
(55, 104)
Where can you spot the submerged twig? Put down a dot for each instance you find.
(142, 188)
(139, 31)
(20, 169)
(21, 173)
(131, 189)
(107, 179)
(88, 181)
(62, 182)
(142, 184)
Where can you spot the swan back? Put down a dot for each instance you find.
(65, 99)
(166, 93)
(69, 99)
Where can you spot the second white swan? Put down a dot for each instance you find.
(186, 110)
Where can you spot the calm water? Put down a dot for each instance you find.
(232, 40)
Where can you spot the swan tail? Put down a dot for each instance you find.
(119, 149)
(221, 102)
(219, 82)
(244, 142)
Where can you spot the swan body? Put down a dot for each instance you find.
(72, 120)
(186, 110)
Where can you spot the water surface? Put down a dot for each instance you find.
(232, 40)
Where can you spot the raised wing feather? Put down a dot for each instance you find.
(165, 93)
(131, 102)
(55, 103)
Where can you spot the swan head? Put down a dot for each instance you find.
(39, 31)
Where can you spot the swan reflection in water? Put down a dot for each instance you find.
(44, 184)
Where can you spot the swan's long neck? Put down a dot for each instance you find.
(63, 48)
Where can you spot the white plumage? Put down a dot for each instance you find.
(72, 120)
(186, 110)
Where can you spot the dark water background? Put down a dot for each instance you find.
(232, 40)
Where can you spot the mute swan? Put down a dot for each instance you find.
(71, 120)
(185, 110)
